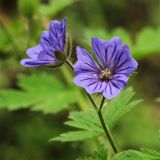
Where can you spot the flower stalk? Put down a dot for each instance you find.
(105, 128)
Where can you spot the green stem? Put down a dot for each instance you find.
(102, 103)
(105, 128)
(92, 101)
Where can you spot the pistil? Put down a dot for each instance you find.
(105, 74)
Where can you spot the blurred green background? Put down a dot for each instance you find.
(34, 102)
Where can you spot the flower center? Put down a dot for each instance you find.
(105, 74)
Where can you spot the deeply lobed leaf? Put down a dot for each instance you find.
(87, 123)
(100, 154)
(119, 106)
(40, 93)
(144, 154)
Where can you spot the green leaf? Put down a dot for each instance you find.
(122, 104)
(147, 42)
(123, 34)
(104, 34)
(40, 93)
(84, 120)
(55, 7)
(143, 45)
(150, 152)
(87, 123)
(96, 32)
(144, 154)
(102, 153)
(75, 136)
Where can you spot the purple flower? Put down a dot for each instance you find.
(110, 73)
(50, 41)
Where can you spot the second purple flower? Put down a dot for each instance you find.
(50, 41)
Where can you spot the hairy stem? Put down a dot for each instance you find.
(105, 128)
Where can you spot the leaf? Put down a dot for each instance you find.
(150, 151)
(127, 155)
(55, 6)
(144, 154)
(122, 104)
(87, 123)
(147, 42)
(104, 34)
(75, 136)
(102, 153)
(96, 32)
(40, 93)
(84, 120)
(123, 34)
(143, 46)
